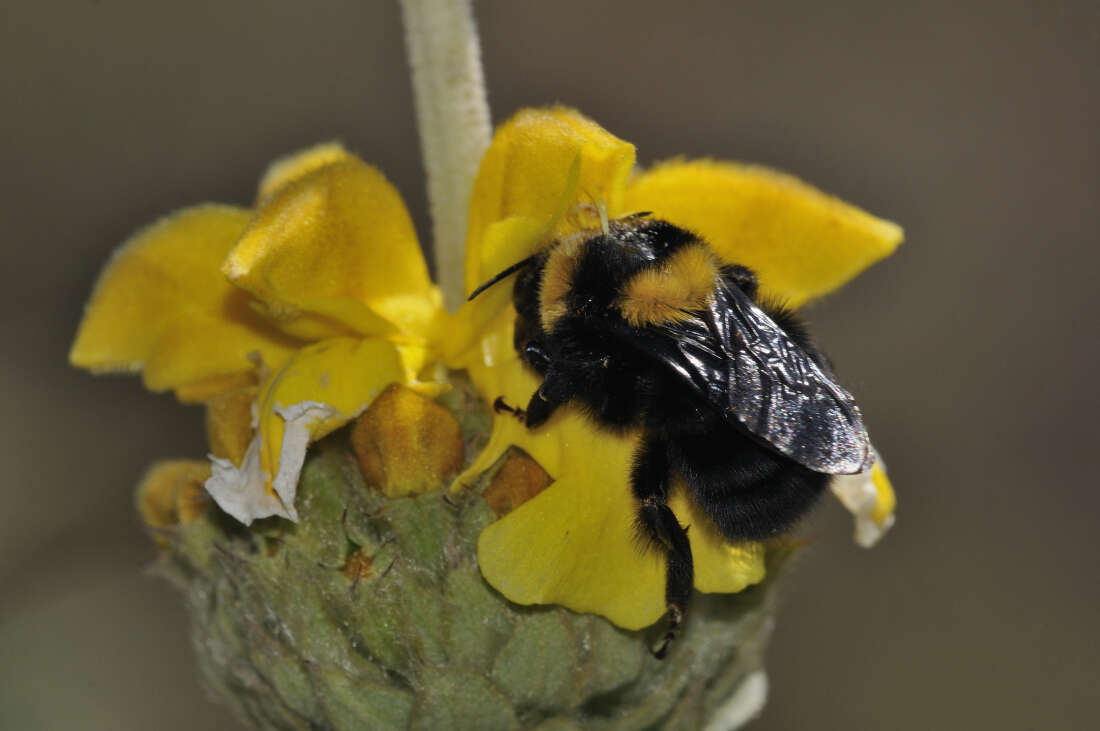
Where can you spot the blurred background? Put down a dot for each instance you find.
(972, 124)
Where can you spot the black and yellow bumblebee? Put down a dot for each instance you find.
(642, 326)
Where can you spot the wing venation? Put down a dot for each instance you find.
(741, 361)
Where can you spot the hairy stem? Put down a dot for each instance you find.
(453, 119)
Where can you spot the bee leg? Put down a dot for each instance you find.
(501, 406)
(658, 525)
(557, 388)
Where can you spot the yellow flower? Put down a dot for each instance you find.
(308, 305)
(320, 295)
(573, 543)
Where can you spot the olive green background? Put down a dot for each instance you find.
(972, 351)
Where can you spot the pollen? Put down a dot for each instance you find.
(671, 291)
(406, 444)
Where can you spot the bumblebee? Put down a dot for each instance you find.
(642, 326)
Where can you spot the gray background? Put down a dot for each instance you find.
(972, 350)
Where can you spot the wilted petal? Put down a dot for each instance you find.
(869, 497)
(242, 491)
(300, 422)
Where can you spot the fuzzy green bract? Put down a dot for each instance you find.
(290, 641)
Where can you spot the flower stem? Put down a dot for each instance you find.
(453, 118)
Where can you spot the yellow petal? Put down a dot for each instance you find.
(201, 391)
(461, 334)
(288, 169)
(540, 164)
(229, 423)
(801, 242)
(885, 500)
(332, 251)
(343, 374)
(163, 305)
(574, 543)
(721, 567)
(416, 357)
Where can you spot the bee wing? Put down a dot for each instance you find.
(742, 362)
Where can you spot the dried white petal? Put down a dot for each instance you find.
(296, 436)
(240, 491)
(858, 494)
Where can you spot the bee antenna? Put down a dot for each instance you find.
(510, 270)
